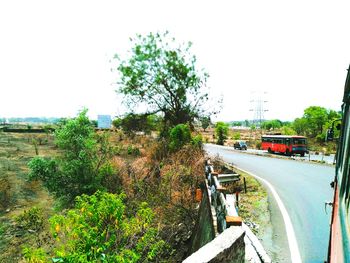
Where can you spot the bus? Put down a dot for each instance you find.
(339, 242)
(289, 145)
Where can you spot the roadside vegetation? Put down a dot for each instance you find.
(313, 124)
(77, 194)
(73, 193)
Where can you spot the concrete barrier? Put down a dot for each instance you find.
(228, 247)
(220, 235)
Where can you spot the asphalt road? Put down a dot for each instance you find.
(308, 157)
(303, 188)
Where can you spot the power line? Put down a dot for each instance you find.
(258, 106)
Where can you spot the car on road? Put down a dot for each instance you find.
(240, 145)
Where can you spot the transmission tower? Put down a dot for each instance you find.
(258, 106)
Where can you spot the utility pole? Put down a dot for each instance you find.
(258, 107)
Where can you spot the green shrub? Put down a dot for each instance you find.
(321, 137)
(2, 229)
(78, 169)
(135, 151)
(117, 150)
(258, 145)
(44, 169)
(5, 192)
(236, 136)
(98, 229)
(286, 130)
(197, 141)
(179, 136)
(34, 255)
(221, 131)
(31, 219)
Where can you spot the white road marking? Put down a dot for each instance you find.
(292, 241)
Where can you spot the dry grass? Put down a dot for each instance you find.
(17, 193)
(166, 181)
(249, 136)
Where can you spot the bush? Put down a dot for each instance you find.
(117, 150)
(82, 165)
(31, 219)
(135, 151)
(179, 136)
(286, 130)
(236, 136)
(132, 123)
(258, 145)
(197, 141)
(34, 255)
(5, 193)
(321, 138)
(98, 229)
(41, 168)
(221, 131)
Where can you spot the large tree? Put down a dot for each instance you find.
(271, 124)
(205, 122)
(132, 122)
(162, 76)
(300, 126)
(316, 117)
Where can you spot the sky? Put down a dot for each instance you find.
(56, 56)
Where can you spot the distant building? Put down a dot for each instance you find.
(104, 121)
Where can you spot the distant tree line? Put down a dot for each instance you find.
(29, 120)
(313, 124)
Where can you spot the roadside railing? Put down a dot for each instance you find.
(224, 210)
(225, 205)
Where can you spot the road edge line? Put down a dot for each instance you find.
(292, 241)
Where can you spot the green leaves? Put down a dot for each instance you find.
(221, 132)
(314, 121)
(98, 229)
(31, 219)
(41, 168)
(132, 123)
(82, 165)
(205, 122)
(271, 124)
(179, 136)
(163, 77)
(34, 255)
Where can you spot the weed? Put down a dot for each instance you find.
(135, 151)
(5, 192)
(35, 143)
(34, 255)
(31, 219)
(2, 229)
(258, 145)
(236, 136)
(117, 150)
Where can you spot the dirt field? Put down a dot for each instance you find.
(247, 135)
(17, 194)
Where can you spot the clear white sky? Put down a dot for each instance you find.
(55, 55)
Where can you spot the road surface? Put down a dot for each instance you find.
(303, 188)
(308, 157)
